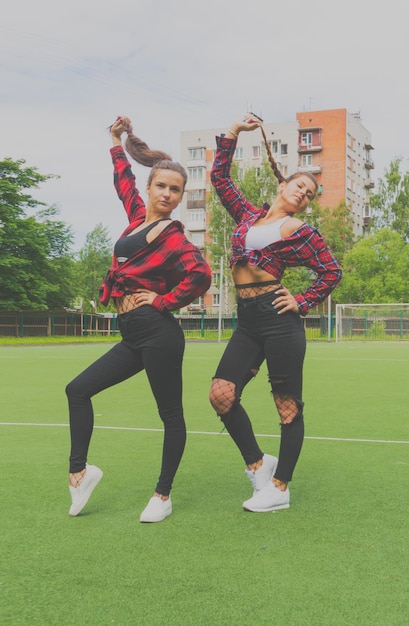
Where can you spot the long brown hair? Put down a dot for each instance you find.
(156, 159)
(277, 173)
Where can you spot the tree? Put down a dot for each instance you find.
(60, 266)
(376, 270)
(390, 205)
(35, 262)
(336, 225)
(94, 260)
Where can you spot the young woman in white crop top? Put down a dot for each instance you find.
(265, 242)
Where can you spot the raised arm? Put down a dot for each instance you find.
(230, 196)
(124, 179)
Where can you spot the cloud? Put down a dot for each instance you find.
(68, 70)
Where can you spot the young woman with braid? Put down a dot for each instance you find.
(270, 326)
(155, 270)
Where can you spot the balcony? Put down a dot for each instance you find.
(196, 163)
(196, 226)
(302, 148)
(369, 184)
(311, 169)
(195, 204)
(369, 164)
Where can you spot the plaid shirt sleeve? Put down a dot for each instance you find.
(171, 266)
(314, 254)
(190, 273)
(230, 196)
(124, 182)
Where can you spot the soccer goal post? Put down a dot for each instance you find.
(372, 322)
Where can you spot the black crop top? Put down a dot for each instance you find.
(126, 246)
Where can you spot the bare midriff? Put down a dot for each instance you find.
(244, 274)
(252, 281)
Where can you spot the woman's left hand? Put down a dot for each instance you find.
(143, 296)
(285, 302)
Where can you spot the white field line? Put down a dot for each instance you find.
(200, 432)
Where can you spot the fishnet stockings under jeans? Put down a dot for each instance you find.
(125, 304)
(261, 335)
(251, 290)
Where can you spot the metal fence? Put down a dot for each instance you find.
(76, 324)
(372, 322)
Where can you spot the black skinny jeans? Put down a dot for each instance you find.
(151, 341)
(262, 334)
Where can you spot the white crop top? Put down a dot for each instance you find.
(259, 237)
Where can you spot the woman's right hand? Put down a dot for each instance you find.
(249, 121)
(121, 125)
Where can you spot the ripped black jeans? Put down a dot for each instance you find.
(279, 339)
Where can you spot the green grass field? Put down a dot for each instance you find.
(339, 556)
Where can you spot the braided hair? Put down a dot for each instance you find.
(274, 166)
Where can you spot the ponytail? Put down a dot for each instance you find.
(156, 159)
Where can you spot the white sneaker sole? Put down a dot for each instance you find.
(278, 507)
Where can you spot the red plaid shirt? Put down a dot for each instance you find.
(304, 247)
(170, 265)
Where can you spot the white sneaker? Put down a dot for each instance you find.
(80, 495)
(264, 474)
(156, 510)
(269, 498)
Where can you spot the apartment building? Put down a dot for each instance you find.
(337, 148)
(332, 144)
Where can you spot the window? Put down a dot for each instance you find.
(196, 173)
(284, 148)
(216, 299)
(306, 139)
(197, 306)
(256, 152)
(306, 160)
(196, 154)
(196, 216)
(274, 146)
(239, 153)
(367, 210)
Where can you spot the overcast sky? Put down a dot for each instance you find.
(68, 69)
